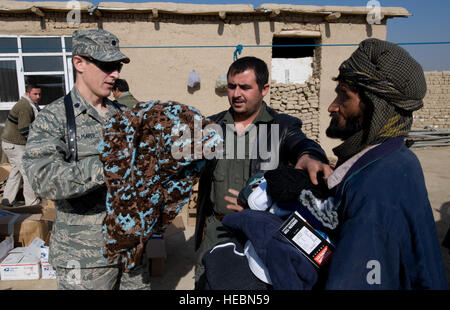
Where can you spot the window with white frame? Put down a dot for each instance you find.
(291, 63)
(45, 61)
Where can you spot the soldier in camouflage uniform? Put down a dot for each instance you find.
(79, 187)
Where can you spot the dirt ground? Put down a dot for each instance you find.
(436, 166)
(179, 265)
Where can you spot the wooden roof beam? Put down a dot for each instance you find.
(275, 13)
(37, 11)
(155, 13)
(333, 16)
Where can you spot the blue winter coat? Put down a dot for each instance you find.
(387, 237)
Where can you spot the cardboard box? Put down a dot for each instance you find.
(48, 210)
(6, 246)
(16, 266)
(7, 222)
(44, 254)
(5, 169)
(48, 271)
(28, 223)
(28, 228)
(21, 262)
(192, 217)
(17, 250)
(156, 246)
(156, 253)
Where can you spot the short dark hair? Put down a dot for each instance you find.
(257, 65)
(121, 85)
(29, 87)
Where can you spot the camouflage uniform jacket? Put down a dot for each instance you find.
(78, 188)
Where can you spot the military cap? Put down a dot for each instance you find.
(99, 44)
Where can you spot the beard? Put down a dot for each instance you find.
(352, 126)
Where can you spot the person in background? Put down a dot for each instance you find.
(14, 138)
(121, 93)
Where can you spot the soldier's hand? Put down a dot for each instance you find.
(313, 166)
(233, 200)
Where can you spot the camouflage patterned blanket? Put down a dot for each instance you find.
(147, 185)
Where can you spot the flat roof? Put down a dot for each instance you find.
(21, 7)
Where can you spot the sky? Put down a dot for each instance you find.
(429, 22)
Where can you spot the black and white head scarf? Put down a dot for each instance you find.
(391, 83)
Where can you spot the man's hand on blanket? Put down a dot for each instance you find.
(233, 200)
(313, 166)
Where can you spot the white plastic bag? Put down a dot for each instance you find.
(222, 83)
(193, 79)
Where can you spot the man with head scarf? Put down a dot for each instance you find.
(387, 236)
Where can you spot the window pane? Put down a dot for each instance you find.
(8, 45)
(9, 90)
(41, 45)
(68, 43)
(43, 63)
(52, 86)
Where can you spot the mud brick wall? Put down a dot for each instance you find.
(299, 100)
(436, 109)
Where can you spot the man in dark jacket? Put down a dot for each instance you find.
(256, 139)
(387, 236)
